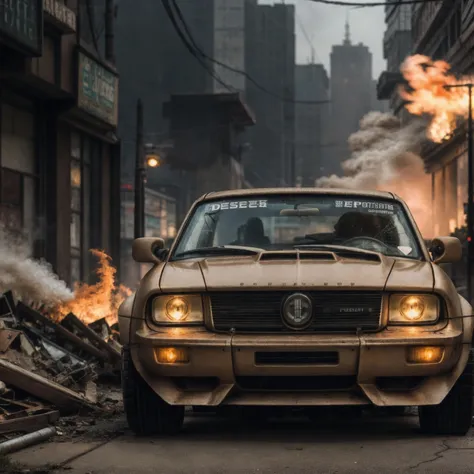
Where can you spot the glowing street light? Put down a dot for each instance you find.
(153, 161)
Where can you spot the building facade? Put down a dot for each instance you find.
(160, 222)
(397, 45)
(437, 33)
(351, 97)
(311, 84)
(58, 148)
(270, 61)
(445, 30)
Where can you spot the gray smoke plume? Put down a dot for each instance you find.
(382, 151)
(31, 281)
(385, 157)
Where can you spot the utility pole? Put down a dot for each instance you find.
(470, 190)
(109, 31)
(140, 175)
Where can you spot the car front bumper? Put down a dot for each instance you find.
(370, 368)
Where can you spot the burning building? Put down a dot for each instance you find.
(441, 30)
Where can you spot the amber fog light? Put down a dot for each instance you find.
(171, 355)
(425, 355)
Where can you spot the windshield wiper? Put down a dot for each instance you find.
(221, 250)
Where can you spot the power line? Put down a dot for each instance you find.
(372, 4)
(203, 55)
(189, 47)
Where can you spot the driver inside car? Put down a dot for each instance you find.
(360, 225)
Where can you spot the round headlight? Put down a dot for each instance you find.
(177, 309)
(412, 307)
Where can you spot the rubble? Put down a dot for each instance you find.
(51, 370)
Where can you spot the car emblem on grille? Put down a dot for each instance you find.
(297, 311)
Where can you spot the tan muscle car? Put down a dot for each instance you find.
(297, 298)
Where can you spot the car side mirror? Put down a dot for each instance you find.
(149, 250)
(446, 250)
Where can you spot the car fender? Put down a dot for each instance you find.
(468, 320)
(125, 317)
(467, 340)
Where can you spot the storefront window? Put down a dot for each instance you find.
(438, 204)
(450, 183)
(462, 183)
(18, 203)
(76, 207)
(82, 149)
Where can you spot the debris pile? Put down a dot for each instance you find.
(51, 367)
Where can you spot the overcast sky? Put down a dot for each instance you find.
(324, 25)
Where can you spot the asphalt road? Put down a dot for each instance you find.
(210, 445)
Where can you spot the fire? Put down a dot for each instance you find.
(101, 300)
(428, 80)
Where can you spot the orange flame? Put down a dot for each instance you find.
(428, 80)
(94, 302)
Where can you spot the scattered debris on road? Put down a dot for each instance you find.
(51, 369)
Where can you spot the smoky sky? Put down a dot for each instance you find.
(324, 26)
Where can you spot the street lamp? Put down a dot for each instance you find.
(470, 190)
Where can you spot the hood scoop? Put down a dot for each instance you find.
(358, 256)
(275, 256)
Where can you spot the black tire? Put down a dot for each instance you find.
(453, 416)
(147, 413)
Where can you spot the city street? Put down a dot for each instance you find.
(374, 444)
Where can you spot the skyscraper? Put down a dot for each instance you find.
(311, 84)
(270, 61)
(351, 96)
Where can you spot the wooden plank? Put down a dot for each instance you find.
(66, 400)
(73, 320)
(29, 423)
(61, 331)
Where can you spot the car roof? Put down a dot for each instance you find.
(235, 193)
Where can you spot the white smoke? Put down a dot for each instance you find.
(381, 151)
(385, 157)
(32, 281)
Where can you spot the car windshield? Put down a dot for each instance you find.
(304, 222)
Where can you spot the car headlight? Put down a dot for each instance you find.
(413, 309)
(177, 309)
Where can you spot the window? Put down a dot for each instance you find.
(18, 176)
(76, 207)
(81, 154)
(286, 222)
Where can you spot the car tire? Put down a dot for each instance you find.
(147, 413)
(453, 416)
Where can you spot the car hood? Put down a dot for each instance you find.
(223, 273)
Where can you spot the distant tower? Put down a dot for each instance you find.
(351, 96)
(347, 35)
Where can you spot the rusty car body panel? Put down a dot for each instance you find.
(367, 360)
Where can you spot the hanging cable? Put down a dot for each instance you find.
(198, 51)
(372, 4)
(189, 47)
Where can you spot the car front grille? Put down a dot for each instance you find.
(333, 311)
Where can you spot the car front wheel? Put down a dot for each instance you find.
(453, 416)
(147, 413)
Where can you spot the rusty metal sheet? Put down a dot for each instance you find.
(7, 336)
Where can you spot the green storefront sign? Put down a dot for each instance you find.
(21, 24)
(97, 90)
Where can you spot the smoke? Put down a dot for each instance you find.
(32, 281)
(385, 157)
